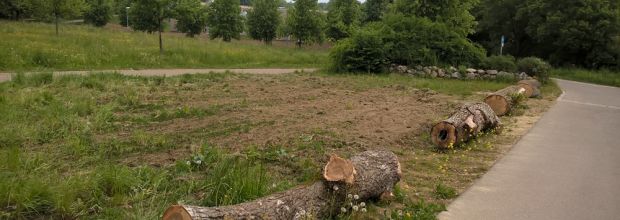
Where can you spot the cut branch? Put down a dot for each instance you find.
(532, 87)
(373, 173)
(467, 122)
(502, 101)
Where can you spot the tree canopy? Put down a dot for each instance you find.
(224, 20)
(306, 21)
(263, 20)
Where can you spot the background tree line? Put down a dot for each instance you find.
(409, 32)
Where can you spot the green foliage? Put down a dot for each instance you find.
(535, 67)
(224, 20)
(454, 13)
(343, 16)
(148, 15)
(306, 22)
(15, 9)
(420, 210)
(191, 17)
(374, 9)
(580, 33)
(98, 13)
(500, 63)
(431, 44)
(120, 7)
(363, 52)
(444, 192)
(263, 20)
(54, 10)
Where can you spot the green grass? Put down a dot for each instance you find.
(34, 46)
(602, 77)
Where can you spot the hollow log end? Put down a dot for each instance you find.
(338, 169)
(443, 135)
(176, 212)
(498, 103)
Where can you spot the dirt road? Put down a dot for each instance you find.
(566, 167)
(174, 72)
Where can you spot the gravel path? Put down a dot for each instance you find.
(175, 72)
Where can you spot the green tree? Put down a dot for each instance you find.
(149, 15)
(578, 32)
(15, 9)
(191, 17)
(374, 9)
(224, 19)
(342, 17)
(305, 22)
(98, 13)
(454, 13)
(497, 18)
(263, 20)
(120, 7)
(58, 9)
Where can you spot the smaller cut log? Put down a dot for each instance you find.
(532, 87)
(502, 101)
(467, 122)
(373, 174)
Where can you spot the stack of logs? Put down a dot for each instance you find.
(470, 119)
(369, 175)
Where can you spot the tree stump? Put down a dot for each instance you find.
(467, 122)
(532, 87)
(501, 101)
(369, 175)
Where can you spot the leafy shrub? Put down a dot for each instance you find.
(535, 67)
(501, 63)
(419, 41)
(191, 17)
(363, 52)
(99, 12)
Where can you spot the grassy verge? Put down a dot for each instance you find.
(602, 77)
(109, 146)
(34, 46)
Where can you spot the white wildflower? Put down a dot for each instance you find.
(355, 208)
(188, 163)
(349, 196)
(356, 197)
(199, 162)
(400, 212)
(363, 204)
(335, 188)
(342, 209)
(364, 210)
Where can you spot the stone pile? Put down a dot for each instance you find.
(451, 72)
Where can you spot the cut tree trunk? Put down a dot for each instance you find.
(369, 175)
(466, 123)
(502, 101)
(532, 87)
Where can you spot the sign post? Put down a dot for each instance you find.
(501, 49)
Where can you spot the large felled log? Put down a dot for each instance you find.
(465, 123)
(532, 87)
(501, 101)
(368, 175)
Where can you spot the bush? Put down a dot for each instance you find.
(501, 63)
(99, 12)
(191, 17)
(362, 52)
(535, 67)
(431, 43)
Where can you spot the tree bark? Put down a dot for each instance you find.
(376, 173)
(502, 101)
(56, 21)
(467, 122)
(161, 43)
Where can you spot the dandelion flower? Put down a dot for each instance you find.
(355, 208)
(363, 204)
(335, 188)
(349, 196)
(364, 210)
(356, 197)
(343, 210)
(188, 163)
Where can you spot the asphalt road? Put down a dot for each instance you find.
(174, 72)
(566, 167)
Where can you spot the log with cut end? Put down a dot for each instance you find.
(532, 87)
(501, 101)
(369, 175)
(465, 123)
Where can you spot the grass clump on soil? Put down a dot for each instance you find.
(110, 146)
(33, 46)
(602, 77)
